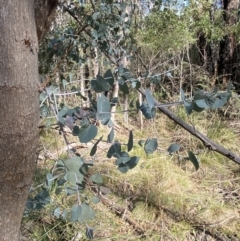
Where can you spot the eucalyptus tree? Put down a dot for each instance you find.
(106, 26)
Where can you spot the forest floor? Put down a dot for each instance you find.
(162, 198)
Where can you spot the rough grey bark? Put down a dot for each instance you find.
(19, 111)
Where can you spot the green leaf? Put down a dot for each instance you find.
(130, 141)
(76, 130)
(201, 103)
(114, 150)
(188, 107)
(74, 178)
(57, 212)
(141, 142)
(193, 159)
(73, 164)
(97, 178)
(150, 145)
(147, 112)
(64, 214)
(123, 168)
(133, 162)
(86, 214)
(100, 84)
(95, 15)
(95, 200)
(94, 148)
(75, 212)
(108, 76)
(196, 108)
(124, 88)
(103, 109)
(123, 158)
(173, 148)
(182, 94)
(110, 136)
(88, 133)
(150, 99)
(49, 179)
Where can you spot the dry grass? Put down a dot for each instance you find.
(163, 199)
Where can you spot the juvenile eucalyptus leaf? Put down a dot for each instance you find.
(105, 190)
(103, 109)
(95, 200)
(73, 164)
(57, 212)
(76, 130)
(123, 168)
(49, 178)
(147, 112)
(196, 108)
(124, 88)
(123, 158)
(94, 148)
(188, 107)
(97, 178)
(182, 94)
(194, 160)
(108, 76)
(173, 148)
(86, 214)
(150, 99)
(110, 136)
(141, 142)
(100, 84)
(69, 122)
(130, 141)
(133, 162)
(75, 212)
(114, 150)
(65, 214)
(88, 133)
(150, 145)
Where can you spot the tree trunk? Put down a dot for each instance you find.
(19, 107)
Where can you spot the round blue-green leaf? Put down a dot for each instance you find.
(123, 158)
(76, 130)
(75, 212)
(110, 136)
(103, 109)
(97, 178)
(173, 148)
(150, 99)
(88, 133)
(150, 145)
(133, 162)
(86, 214)
(108, 76)
(188, 107)
(124, 88)
(57, 212)
(123, 168)
(95, 200)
